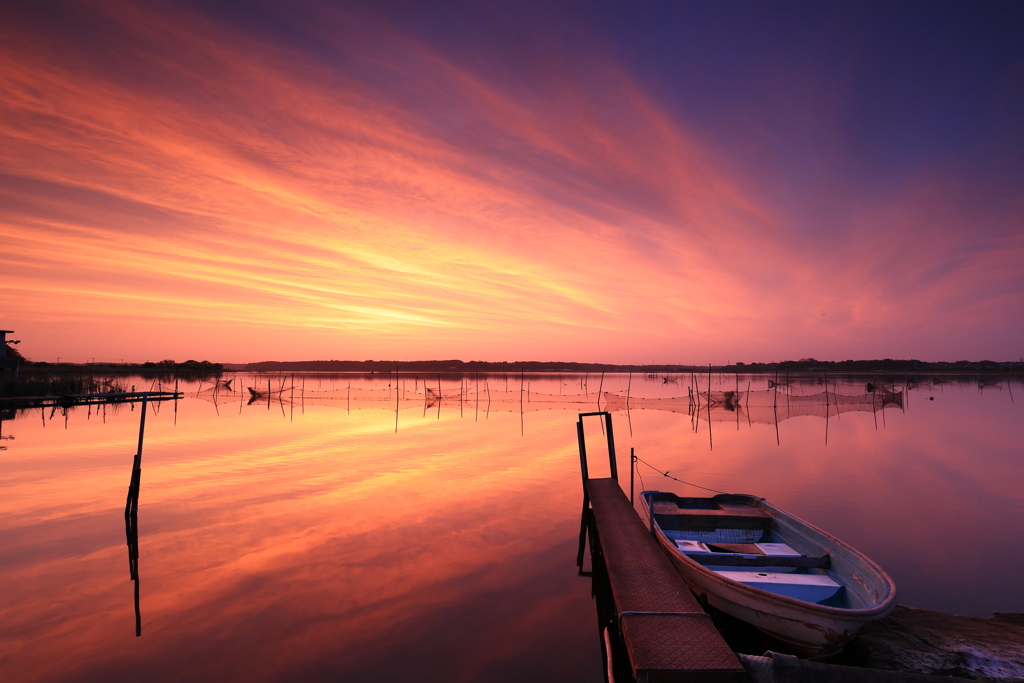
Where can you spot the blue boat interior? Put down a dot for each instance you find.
(737, 539)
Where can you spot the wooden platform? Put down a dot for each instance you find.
(69, 400)
(666, 633)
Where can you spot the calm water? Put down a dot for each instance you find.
(303, 536)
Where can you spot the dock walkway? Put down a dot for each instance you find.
(69, 400)
(666, 633)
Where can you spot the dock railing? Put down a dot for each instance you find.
(612, 465)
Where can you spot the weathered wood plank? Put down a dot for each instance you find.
(667, 635)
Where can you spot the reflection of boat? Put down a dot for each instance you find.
(256, 393)
(755, 562)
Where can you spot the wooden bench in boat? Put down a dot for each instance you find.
(672, 517)
(807, 587)
(749, 555)
(735, 560)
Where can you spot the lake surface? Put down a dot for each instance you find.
(340, 528)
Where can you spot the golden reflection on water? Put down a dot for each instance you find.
(313, 539)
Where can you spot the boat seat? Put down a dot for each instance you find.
(807, 587)
(738, 560)
(749, 555)
(671, 517)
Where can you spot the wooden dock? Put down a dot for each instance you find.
(69, 400)
(667, 636)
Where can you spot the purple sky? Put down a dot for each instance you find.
(675, 182)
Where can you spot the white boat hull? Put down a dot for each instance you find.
(812, 629)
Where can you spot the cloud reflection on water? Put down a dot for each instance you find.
(326, 545)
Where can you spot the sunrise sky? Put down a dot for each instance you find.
(620, 182)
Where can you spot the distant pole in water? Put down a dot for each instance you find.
(747, 405)
(600, 387)
(396, 399)
(710, 442)
(696, 415)
(131, 510)
(824, 374)
(522, 421)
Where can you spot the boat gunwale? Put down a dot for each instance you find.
(879, 609)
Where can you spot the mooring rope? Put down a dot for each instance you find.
(666, 474)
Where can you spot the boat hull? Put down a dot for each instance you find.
(811, 629)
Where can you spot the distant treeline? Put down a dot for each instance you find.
(189, 367)
(884, 365)
(887, 365)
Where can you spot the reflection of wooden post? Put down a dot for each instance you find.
(873, 411)
(710, 442)
(522, 421)
(131, 517)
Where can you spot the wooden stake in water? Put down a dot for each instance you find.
(828, 406)
(710, 442)
(632, 470)
(131, 512)
(522, 421)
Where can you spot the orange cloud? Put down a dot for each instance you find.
(194, 189)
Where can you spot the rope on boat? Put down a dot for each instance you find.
(666, 474)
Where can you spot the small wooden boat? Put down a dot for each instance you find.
(760, 564)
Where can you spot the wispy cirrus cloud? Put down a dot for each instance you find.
(368, 193)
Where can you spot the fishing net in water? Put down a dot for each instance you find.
(764, 407)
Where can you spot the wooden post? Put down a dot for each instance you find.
(632, 471)
(710, 442)
(583, 453)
